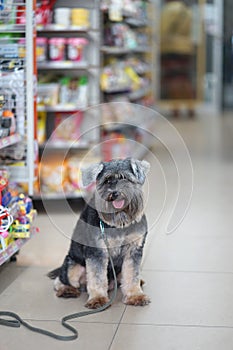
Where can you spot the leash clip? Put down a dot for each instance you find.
(102, 228)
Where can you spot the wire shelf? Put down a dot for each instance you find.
(16, 89)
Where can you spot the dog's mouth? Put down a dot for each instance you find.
(118, 203)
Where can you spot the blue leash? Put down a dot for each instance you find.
(17, 321)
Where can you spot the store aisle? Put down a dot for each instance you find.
(189, 274)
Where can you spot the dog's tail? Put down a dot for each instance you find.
(54, 273)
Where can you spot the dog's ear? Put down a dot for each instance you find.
(140, 168)
(90, 174)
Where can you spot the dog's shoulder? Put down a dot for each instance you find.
(87, 226)
(89, 214)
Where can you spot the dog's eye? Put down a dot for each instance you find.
(108, 181)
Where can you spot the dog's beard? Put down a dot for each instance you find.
(122, 211)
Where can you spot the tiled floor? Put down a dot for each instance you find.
(189, 273)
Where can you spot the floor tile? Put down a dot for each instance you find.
(189, 274)
(35, 299)
(138, 337)
(189, 253)
(50, 245)
(185, 298)
(94, 336)
(8, 273)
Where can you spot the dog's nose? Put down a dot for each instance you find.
(114, 195)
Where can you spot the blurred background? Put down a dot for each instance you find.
(87, 81)
(83, 81)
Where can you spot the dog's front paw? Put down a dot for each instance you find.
(96, 302)
(137, 300)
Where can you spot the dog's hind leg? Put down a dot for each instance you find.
(64, 290)
(54, 273)
(75, 275)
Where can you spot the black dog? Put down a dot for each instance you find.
(118, 205)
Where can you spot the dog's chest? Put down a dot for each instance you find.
(120, 242)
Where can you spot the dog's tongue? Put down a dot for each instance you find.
(118, 204)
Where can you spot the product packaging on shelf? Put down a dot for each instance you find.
(83, 92)
(21, 226)
(44, 13)
(62, 174)
(48, 94)
(76, 17)
(120, 35)
(60, 49)
(75, 47)
(64, 95)
(41, 127)
(74, 172)
(12, 155)
(63, 91)
(121, 76)
(41, 49)
(80, 17)
(129, 8)
(57, 49)
(22, 48)
(16, 212)
(5, 239)
(14, 100)
(53, 174)
(67, 128)
(12, 47)
(7, 120)
(62, 16)
(7, 13)
(115, 145)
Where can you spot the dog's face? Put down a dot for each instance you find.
(118, 197)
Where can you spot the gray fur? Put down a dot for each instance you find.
(133, 169)
(90, 174)
(118, 182)
(140, 169)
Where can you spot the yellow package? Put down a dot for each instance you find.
(41, 127)
(53, 174)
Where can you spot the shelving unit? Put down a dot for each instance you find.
(134, 37)
(14, 247)
(111, 50)
(17, 90)
(59, 108)
(9, 140)
(63, 65)
(66, 145)
(98, 54)
(16, 85)
(51, 28)
(89, 67)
